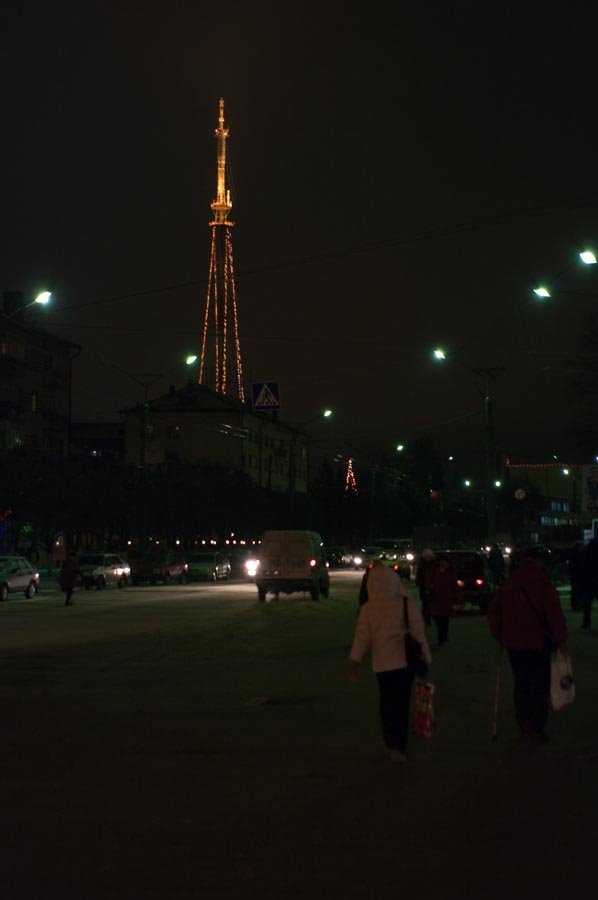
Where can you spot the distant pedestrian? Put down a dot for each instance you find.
(576, 563)
(515, 558)
(381, 628)
(445, 596)
(69, 577)
(588, 581)
(525, 616)
(496, 564)
(423, 579)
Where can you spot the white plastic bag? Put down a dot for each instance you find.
(562, 686)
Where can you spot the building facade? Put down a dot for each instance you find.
(195, 423)
(35, 375)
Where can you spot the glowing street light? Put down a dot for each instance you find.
(498, 483)
(42, 299)
(400, 448)
(541, 292)
(326, 413)
(467, 482)
(191, 359)
(588, 258)
(565, 471)
(439, 354)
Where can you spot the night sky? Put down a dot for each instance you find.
(403, 175)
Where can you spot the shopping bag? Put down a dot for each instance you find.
(562, 685)
(422, 719)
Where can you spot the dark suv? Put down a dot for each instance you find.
(165, 566)
(472, 575)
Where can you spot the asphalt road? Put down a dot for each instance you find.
(188, 742)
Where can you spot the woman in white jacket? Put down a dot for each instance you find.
(381, 628)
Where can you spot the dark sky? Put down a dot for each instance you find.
(351, 124)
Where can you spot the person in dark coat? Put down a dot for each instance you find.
(523, 611)
(515, 558)
(496, 564)
(576, 574)
(588, 581)
(445, 596)
(423, 579)
(69, 577)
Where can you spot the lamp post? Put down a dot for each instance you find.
(42, 299)
(488, 374)
(324, 414)
(146, 380)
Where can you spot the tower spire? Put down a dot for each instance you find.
(221, 206)
(220, 364)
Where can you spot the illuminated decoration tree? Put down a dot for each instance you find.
(220, 366)
(350, 481)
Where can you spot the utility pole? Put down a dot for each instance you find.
(489, 374)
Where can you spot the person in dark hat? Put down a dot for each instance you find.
(525, 617)
(69, 577)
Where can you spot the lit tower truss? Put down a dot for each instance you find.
(220, 365)
(350, 481)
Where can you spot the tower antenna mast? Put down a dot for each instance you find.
(220, 365)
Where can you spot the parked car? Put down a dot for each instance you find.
(101, 570)
(159, 565)
(17, 574)
(365, 557)
(209, 566)
(473, 576)
(338, 556)
(292, 561)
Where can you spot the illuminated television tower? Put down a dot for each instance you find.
(220, 365)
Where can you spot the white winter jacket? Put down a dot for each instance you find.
(381, 622)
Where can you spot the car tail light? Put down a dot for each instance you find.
(396, 568)
(479, 581)
(312, 563)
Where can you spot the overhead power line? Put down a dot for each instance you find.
(435, 233)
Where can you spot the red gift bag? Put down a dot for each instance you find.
(422, 720)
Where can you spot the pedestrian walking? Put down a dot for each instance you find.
(423, 579)
(381, 628)
(576, 563)
(515, 558)
(446, 594)
(496, 565)
(526, 618)
(588, 581)
(69, 577)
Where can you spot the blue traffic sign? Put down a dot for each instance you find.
(265, 395)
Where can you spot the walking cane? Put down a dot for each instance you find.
(497, 686)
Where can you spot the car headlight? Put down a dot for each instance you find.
(409, 556)
(251, 567)
(357, 560)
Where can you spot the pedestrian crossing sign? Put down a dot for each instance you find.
(265, 395)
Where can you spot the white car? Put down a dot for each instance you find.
(102, 570)
(17, 574)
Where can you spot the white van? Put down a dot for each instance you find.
(291, 561)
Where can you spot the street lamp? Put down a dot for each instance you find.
(400, 448)
(488, 374)
(542, 293)
(42, 299)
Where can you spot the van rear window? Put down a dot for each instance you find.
(297, 549)
(272, 548)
